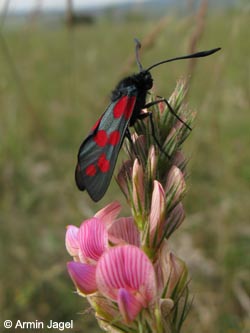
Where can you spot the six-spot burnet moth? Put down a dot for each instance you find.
(99, 151)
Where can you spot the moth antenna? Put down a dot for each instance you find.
(189, 56)
(137, 48)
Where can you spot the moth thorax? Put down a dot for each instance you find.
(144, 80)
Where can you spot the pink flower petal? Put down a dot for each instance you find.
(93, 240)
(109, 213)
(83, 276)
(123, 231)
(126, 267)
(129, 305)
(71, 240)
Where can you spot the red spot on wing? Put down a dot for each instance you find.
(114, 138)
(103, 163)
(96, 124)
(90, 170)
(124, 106)
(101, 138)
(130, 108)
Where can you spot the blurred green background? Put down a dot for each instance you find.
(55, 79)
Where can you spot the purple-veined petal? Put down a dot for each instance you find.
(71, 240)
(124, 231)
(109, 213)
(129, 305)
(157, 213)
(83, 276)
(93, 240)
(126, 267)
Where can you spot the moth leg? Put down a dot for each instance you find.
(128, 135)
(148, 105)
(150, 115)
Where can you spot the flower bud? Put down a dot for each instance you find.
(152, 164)
(171, 273)
(177, 274)
(157, 214)
(171, 141)
(174, 219)
(138, 188)
(124, 178)
(179, 160)
(175, 186)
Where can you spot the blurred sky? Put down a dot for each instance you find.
(57, 4)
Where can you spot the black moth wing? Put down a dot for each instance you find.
(98, 153)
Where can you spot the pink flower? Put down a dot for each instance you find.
(92, 239)
(125, 275)
(86, 244)
(91, 231)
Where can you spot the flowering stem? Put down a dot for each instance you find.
(124, 265)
